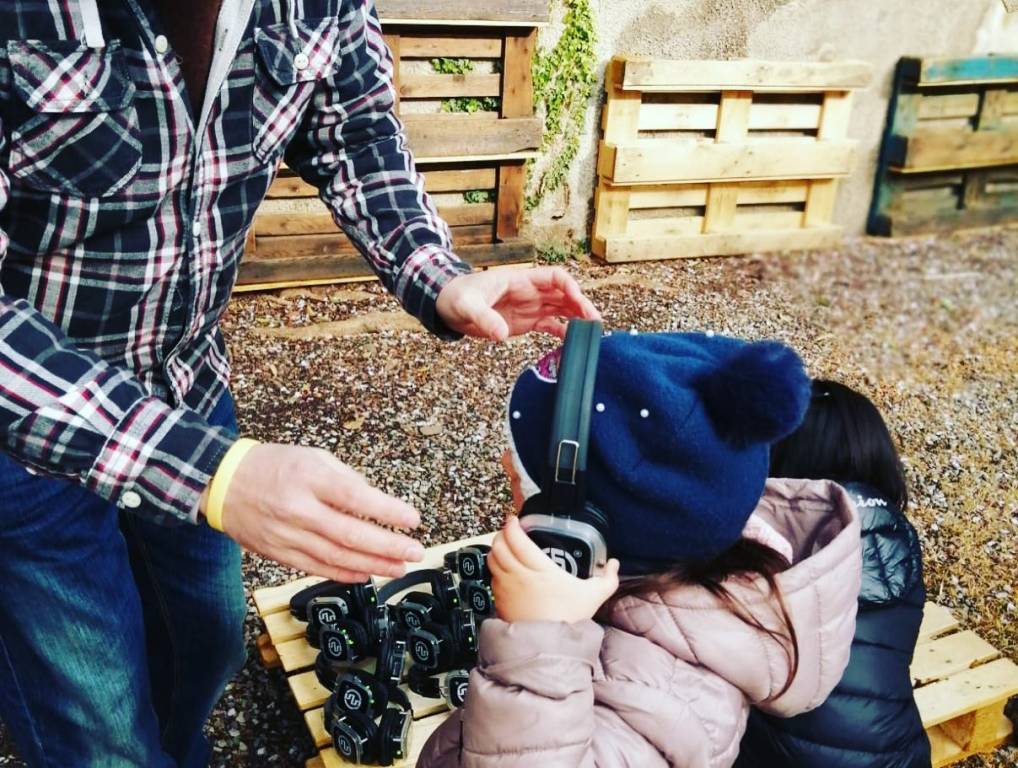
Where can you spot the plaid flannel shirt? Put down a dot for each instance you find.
(123, 217)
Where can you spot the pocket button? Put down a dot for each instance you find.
(301, 61)
(162, 44)
(131, 500)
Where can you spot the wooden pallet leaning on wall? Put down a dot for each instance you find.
(284, 644)
(949, 157)
(961, 687)
(711, 158)
(482, 155)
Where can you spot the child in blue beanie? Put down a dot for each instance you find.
(735, 590)
(870, 719)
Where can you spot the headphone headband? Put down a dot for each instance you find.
(565, 473)
(414, 579)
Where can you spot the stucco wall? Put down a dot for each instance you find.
(878, 31)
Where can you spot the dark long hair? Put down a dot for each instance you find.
(843, 438)
(746, 558)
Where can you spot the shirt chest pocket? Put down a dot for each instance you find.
(292, 59)
(80, 134)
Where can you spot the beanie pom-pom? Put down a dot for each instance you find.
(759, 393)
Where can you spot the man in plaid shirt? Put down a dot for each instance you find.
(136, 141)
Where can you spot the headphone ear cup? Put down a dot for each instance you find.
(598, 519)
(535, 505)
(367, 730)
(446, 650)
(379, 694)
(391, 659)
(359, 641)
(443, 587)
(390, 732)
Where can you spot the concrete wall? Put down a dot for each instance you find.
(878, 31)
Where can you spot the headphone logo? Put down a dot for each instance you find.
(563, 560)
(335, 647)
(345, 746)
(353, 700)
(326, 616)
(422, 653)
(479, 601)
(469, 567)
(413, 620)
(460, 693)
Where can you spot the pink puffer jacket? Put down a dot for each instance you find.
(670, 679)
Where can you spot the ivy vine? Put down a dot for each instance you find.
(564, 80)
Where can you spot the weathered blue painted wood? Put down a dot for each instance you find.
(953, 202)
(931, 72)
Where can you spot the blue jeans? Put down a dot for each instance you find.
(117, 635)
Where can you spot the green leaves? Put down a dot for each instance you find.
(564, 80)
(452, 66)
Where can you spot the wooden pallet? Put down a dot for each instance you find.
(961, 687)
(949, 157)
(294, 239)
(284, 645)
(708, 158)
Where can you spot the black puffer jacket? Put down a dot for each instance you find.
(870, 720)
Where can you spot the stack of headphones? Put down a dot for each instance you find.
(369, 715)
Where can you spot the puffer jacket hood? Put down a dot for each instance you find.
(668, 680)
(892, 563)
(870, 719)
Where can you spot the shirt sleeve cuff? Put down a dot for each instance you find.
(158, 461)
(421, 278)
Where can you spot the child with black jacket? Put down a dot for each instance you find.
(870, 720)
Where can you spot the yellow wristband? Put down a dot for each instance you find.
(221, 481)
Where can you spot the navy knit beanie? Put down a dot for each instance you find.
(680, 437)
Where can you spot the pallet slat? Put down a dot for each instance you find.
(692, 162)
(937, 620)
(455, 47)
(444, 136)
(517, 11)
(448, 86)
(777, 76)
(624, 249)
(946, 656)
(704, 117)
(938, 150)
(969, 690)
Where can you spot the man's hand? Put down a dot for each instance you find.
(528, 586)
(304, 508)
(500, 303)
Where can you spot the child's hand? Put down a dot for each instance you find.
(528, 586)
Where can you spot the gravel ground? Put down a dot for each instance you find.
(929, 328)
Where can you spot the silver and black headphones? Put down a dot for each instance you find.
(560, 519)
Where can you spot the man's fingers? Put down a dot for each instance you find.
(346, 490)
(304, 562)
(488, 322)
(363, 536)
(523, 548)
(496, 562)
(582, 306)
(326, 551)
